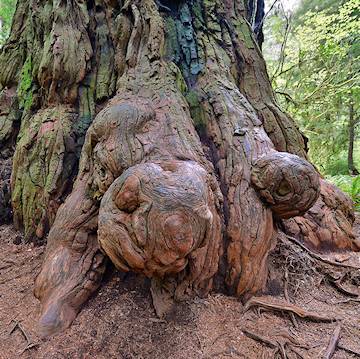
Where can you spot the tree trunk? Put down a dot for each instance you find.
(186, 169)
(352, 123)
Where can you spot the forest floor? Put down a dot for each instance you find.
(119, 321)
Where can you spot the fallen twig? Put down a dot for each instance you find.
(349, 300)
(348, 350)
(287, 307)
(317, 256)
(282, 350)
(29, 342)
(260, 339)
(297, 352)
(29, 346)
(333, 343)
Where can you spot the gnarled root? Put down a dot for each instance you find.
(328, 224)
(73, 265)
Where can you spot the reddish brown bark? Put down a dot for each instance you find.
(180, 176)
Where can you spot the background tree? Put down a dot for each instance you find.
(7, 8)
(315, 73)
(186, 168)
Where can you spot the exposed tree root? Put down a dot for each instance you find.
(315, 255)
(334, 340)
(267, 303)
(337, 284)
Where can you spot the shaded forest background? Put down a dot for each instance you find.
(312, 51)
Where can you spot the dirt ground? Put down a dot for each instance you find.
(119, 321)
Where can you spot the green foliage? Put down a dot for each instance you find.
(314, 62)
(350, 185)
(7, 9)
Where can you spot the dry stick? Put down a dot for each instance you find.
(260, 339)
(18, 325)
(29, 346)
(296, 352)
(317, 256)
(334, 340)
(288, 307)
(282, 350)
(349, 300)
(29, 343)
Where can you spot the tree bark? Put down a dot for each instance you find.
(186, 168)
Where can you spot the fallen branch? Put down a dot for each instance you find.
(287, 307)
(317, 256)
(333, 343)
(22, 330)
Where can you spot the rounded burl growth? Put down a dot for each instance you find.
(155, 216)
(287, 183)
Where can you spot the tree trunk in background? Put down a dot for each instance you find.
(352, 123)
(186, 168)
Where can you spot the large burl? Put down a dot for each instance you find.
(159, 219)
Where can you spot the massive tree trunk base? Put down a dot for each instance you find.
(189, 170)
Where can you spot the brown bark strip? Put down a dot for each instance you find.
(268, 303)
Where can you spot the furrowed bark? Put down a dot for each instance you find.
(186, 167)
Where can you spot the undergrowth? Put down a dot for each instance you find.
(350, 185)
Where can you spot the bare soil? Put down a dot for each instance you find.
(119, 321)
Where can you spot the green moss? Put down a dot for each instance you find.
(198, 15)
(172, 48)
(24, 89)
(196, 110)
(244, 31)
